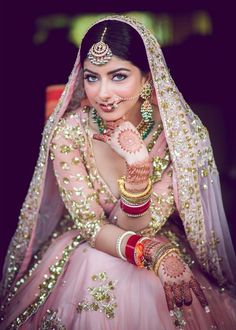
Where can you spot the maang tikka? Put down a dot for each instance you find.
(146, 107)
(100, 53)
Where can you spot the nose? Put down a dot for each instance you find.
(104, 93)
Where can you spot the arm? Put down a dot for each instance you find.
(76, 189)
(82, 202)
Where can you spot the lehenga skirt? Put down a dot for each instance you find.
(78, 287)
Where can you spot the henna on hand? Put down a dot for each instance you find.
(173, 266)
(150, 249)
(139, 172)
(126, 141)
(195, 286)
(187, 296)
(129, 140)
(169, 296)
(101, 137)
(178, 294)
(114, 124)
(178, 281)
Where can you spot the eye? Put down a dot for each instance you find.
(119, 76)
(90, 78)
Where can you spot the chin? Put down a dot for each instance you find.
(111, 116)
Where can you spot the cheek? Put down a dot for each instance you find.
(133, 87)
(90, 91)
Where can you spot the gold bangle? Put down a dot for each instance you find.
(135, 201)
(161, 249)
(125, 193)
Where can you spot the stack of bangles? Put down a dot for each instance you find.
(134, 204)
(143, 251)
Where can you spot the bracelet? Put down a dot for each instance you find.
(130, 215)
(119, 242)
(134, 210)
(148, 249)
(124, 192)
(135, 196)
(132, 203)
(134, 206)
(139, 257)
(162, 248)
(135, 201)
(130, 246)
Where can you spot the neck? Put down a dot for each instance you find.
(134, 116)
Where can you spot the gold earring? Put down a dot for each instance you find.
(146, 107)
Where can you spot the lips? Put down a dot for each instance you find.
(106, 108)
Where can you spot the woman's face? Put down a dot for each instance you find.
(109, 83)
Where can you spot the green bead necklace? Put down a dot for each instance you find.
(143, 127)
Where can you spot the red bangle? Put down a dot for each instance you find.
(138, 254)
(129, 249)
(134, 210)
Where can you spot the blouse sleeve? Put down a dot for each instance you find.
(67, 151)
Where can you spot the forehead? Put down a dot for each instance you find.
(114, 64)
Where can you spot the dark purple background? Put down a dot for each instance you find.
(201, 67)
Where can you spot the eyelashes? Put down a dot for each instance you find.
(90, 78)
(115, 77)
(120, 77)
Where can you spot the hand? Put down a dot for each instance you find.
(178, 280)
(124, 139)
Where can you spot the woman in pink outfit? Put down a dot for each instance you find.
(123, 226)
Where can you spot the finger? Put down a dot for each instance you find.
(114, 124)
(177, 290)
(187, 296)
(101, 137)
(195, 286)
(169, 296)
(111, 125)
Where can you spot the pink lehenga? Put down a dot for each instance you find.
(55, 278)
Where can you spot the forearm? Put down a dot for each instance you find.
(135, 224)
(106, 240)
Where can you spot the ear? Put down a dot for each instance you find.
(147, 77)
(154, 100)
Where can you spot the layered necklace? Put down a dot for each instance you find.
(144, 128)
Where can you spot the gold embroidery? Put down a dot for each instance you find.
(52, 155)
(78, 202)
(51, 321)
(103, 298)
(65, 149)
(159, 166)
(162, 206)
(64, 165)
(48, 284)
(66, 224)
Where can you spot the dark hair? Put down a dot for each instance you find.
(123, 40)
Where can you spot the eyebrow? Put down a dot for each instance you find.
(110, 72)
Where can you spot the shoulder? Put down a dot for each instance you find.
(71, 118)
(71, 124)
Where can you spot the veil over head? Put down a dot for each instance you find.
(196, 181)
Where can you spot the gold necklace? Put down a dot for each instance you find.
(144, 128)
